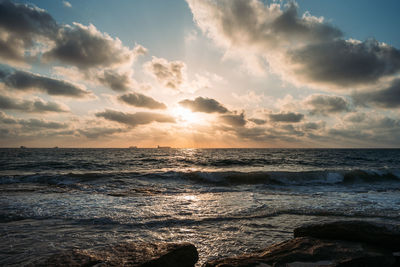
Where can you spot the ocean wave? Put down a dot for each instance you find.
(250, 217)
(225, 178)
(295, 178)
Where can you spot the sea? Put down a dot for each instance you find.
(224, 201)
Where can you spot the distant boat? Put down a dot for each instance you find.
(133, 147)
(163, 147)
(22, 147)
(55, 147)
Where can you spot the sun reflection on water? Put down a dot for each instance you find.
(188, 197)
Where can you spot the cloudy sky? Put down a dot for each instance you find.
(200, 73)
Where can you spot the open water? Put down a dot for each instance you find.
(225, 201)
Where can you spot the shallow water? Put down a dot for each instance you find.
(225, 201)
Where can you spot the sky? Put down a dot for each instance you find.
(200, 73)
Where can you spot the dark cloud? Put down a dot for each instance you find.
(39, 124)
(367, 129)
(135, 119)
(140, 100)
(289, 26)
(23, 27)
(286, 117)
(258, 121)
(98, 132)
(354, 134)
(201, 104)
(251, 23)
(20, 27)
(235, 120)
(356, 117)
(303, 49)
(86, 47)
(290, 130)
(4, 132)
(385, 98)
(115, 81)
(255, 134)
(38, 106)
(313, 126)
(31, 124)
(24, 81)
(170, 74)
(283, 133)
(5, 119)
(346, 63)
(324, 104)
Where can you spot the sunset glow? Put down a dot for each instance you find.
(204, 72)
(186, 117)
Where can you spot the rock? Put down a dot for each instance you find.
(128, 254)
(308, 251)
(382, 235)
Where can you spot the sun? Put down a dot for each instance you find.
(185, 116)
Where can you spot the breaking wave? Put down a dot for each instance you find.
(224, 178)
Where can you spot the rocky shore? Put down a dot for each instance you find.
(127, 254)
(335, 244)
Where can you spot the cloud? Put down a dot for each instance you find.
(21, 25)
(36, 106)
(305, 50)
(31, 124)
(201, 104)
(235, 120)
(385, 98)
(118, 80)
(251, 23)
(29, 34)
(114, 80)
(367, 129)
(369, 121)
(5, 119)
(98, 132)
(345, 63)
(86, 47)
(140, 100)
(15, 129)
(36, 124)
(170, 74)
(67, 4)
(258, 121)
(140, 50)
(325, 104)
(25, 81)
(286, 117)
(313, 126)
(135, 119)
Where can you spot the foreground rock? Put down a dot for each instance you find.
(382, 235)
(338, 244)
(128, 254)
(308, 251)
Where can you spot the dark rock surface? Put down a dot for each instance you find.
(336, 244)
(128, 254)
(382, 235)
(308, 251)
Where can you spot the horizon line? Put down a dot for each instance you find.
(166, 148)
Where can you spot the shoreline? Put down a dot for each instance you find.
(333, 244)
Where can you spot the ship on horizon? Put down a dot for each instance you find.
(163, 147)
